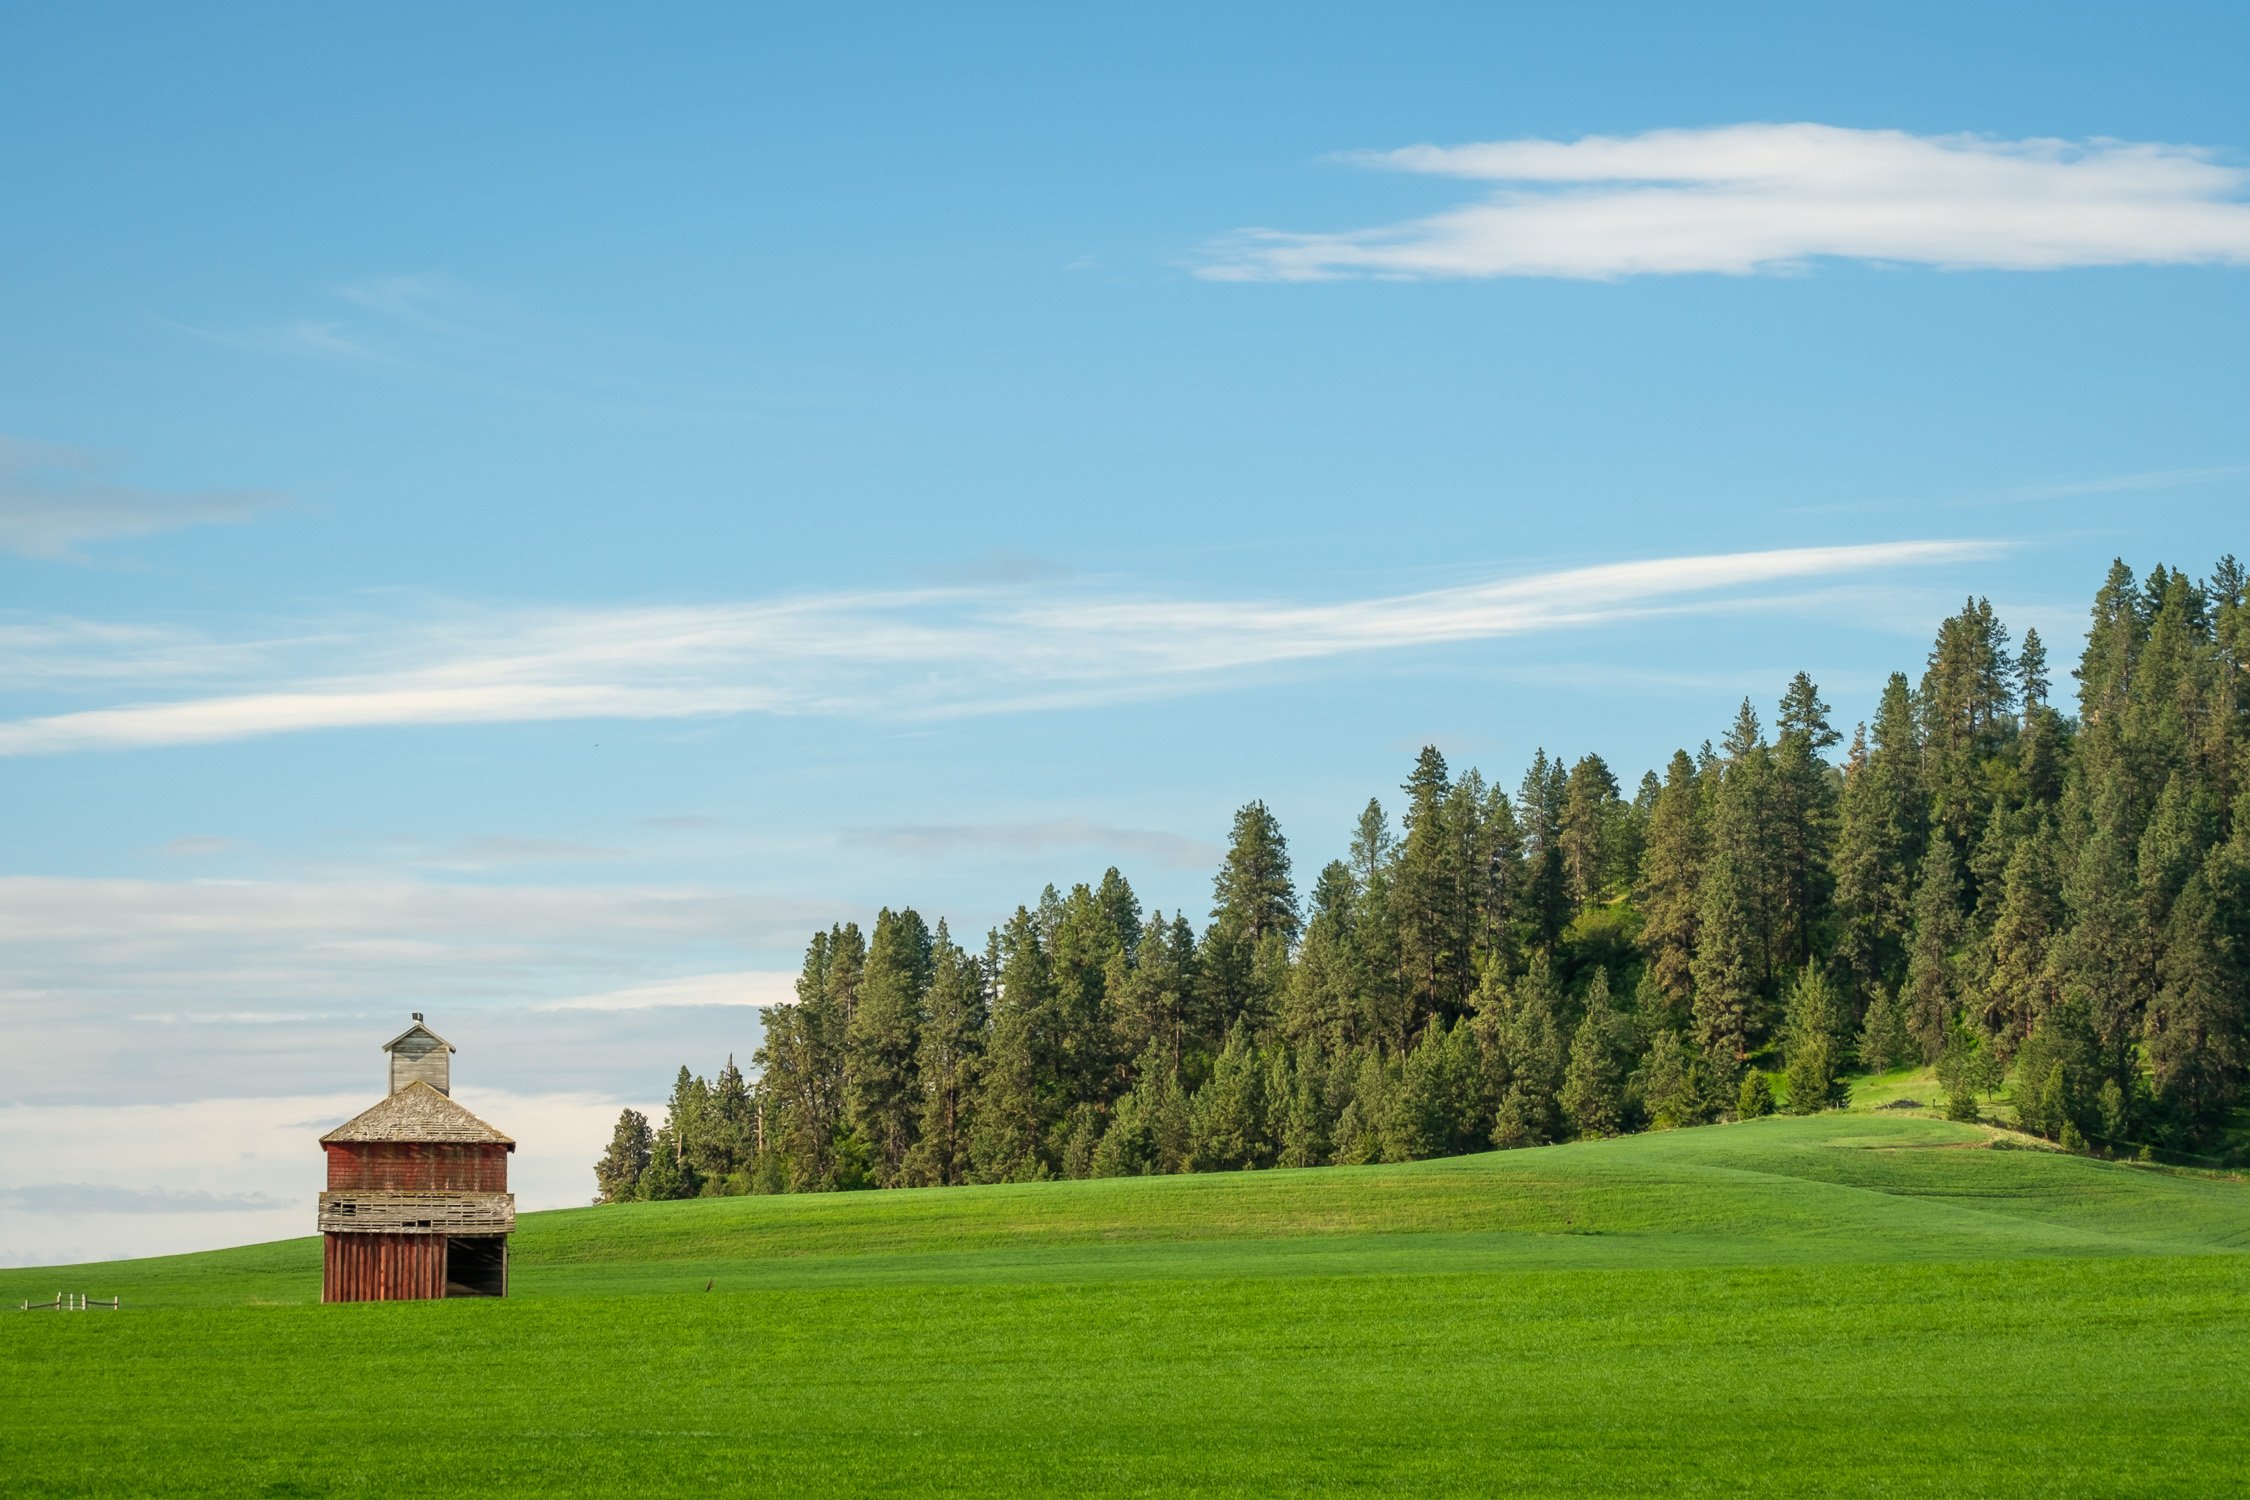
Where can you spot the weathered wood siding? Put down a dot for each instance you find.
(372, 1212)
(416, 1167)
(421, 1058)
(382, 1267)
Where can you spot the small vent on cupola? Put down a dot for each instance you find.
(420, 1055)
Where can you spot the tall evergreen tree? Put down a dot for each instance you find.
(882, 1038)
(1671, 877)
(1726, 992)
(947, 1063)
(1816, 1030)
(1932, 992)
(1539, 812)
(617, 1176)
(1592, 831)
(1802, 821)
(1593, 1092)
(1880, 845)
(1019, 1100)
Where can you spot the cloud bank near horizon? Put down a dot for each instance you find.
(1738, 199)
(913, 653)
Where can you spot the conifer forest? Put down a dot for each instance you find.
(2042, 891)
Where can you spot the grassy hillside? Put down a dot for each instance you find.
(1869, 1303)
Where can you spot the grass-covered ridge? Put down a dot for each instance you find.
(1851, 1303)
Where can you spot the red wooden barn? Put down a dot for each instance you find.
(417, 1202)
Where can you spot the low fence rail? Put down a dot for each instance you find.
(72, 1302)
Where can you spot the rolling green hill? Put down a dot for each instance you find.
(1846, 1304)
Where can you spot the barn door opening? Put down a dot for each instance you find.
(476, 1265)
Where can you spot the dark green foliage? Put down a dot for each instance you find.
(1671, 875)
(617, 1176)
(882, 1038)
(1884, 1041)
(1983, 880)
(1815, 1035)
(1726, 992)
(1670, 1084)
(947, 1064)
(1601, 1054)
(1227, 1121)
(1755, 1098)
(1966, 1069)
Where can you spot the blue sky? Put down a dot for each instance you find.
(520, 516)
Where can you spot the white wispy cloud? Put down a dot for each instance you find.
(901, 653)
(751, 987)
(1763, 197)
(1036, 837)
(227, 946)
(53, 498)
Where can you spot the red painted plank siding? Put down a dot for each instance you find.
(426, 1167)
(382, 1267)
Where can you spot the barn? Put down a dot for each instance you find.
(417, 1202)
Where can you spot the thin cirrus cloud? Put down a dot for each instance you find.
(53, 499)
(1745, 198)
(921, 653)
(1035, 838)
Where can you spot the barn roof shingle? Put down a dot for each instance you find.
(416, 1113)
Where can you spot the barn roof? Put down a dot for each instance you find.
(416, 1113)
(418, 1025)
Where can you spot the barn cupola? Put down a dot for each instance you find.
(420, 1055)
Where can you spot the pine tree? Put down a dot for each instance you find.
(679, 1139)
(1088, 968)
(617, 1176)
(1671, 875)
(1669, 1083)
(1159, 1004)
(1128, 1145)
(2019, 979)
(1589, 840)
(1321, 1008)
(1815, 1031)
(1966, 694)
(1304, 1119)
(1880, 844)
(1017, 1101)
(946, 1065)
(725, 1143)
(1743, 829)
(1228, 1114)
(1932, 984)
(2195, 1028)
(1802, 821)
(1429, 892)
(799, 1098)
(1593, 1092)
(1539, 812)
(1726, 995)
(2031, 671)
(1531, 1059)
(1885, 1042)
(1754, 1100)
(1253, 890)
(882, 1038)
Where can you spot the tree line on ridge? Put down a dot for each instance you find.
(2053, 903)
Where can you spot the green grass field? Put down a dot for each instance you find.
(1875, 1303)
